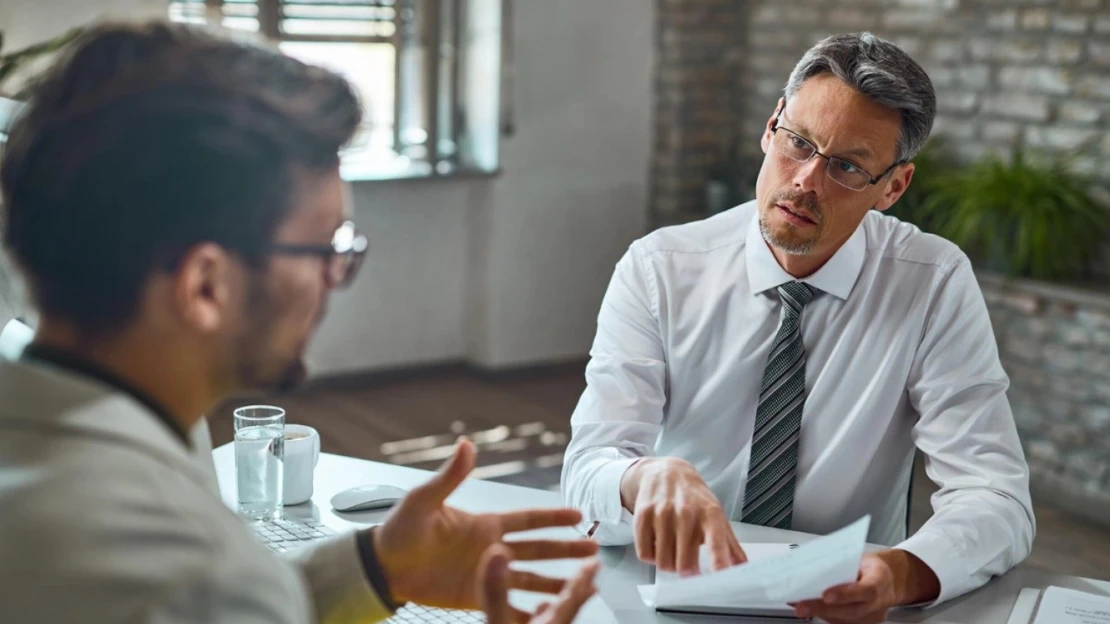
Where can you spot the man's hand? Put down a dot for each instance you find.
(495, 577)
(430, 552)
(887, 579)
(675, 514)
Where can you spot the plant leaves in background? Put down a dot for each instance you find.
(1030, 217)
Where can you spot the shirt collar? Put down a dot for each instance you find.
(837, 277)
(84, 368)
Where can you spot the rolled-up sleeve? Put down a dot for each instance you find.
(620, 414)
(983, 522)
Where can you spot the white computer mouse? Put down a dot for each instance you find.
(366, 497)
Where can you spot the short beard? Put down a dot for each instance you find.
(788, 246)
(254, 348)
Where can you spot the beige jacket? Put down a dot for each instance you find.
(105, 516)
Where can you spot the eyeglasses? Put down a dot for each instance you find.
(343, 256)
(843, 172)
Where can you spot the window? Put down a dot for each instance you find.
(407, 59)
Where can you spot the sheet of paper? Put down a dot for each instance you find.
(754, 551)
(789, 575)
(1067, 606)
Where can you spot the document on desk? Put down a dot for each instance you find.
(1067, 606)
(790, 575)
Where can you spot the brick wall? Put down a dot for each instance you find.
(696, 97)
(1008, 73)
(1055, 345)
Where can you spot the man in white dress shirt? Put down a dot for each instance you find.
(779, 363)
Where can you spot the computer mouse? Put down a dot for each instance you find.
(366, 497)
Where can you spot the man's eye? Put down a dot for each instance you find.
(848, 167)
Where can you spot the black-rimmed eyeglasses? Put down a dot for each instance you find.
(343, 256)
(843, 172)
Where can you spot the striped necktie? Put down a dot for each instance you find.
(769, 495)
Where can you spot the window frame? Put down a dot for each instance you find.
(418, 29)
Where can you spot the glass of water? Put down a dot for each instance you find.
(259, 453)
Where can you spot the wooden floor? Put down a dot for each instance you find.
(521, 424)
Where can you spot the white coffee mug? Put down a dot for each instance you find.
(302, 451)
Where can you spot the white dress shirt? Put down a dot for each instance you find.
(899, 352)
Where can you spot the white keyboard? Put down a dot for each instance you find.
(286, 536)
(283, 536)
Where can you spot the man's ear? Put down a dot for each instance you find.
(765, 141)
(896, 186)
(203, 287)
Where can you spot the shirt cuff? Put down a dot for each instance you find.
(944, 559)
(334, 572)
(373, 569)
(615, 522)
(608, 490)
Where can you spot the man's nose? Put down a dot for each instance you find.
(809, 177)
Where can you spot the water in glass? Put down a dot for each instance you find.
(259, 452)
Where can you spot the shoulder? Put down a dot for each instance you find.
(727, 230)
(904, 245)
(124, 528)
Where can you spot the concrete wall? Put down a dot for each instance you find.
(573, 192)
(508, 270)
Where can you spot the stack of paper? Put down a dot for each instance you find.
(773, 577)
(1067, 606)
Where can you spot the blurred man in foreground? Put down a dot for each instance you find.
(174, 202)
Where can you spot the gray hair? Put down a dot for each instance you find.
(883, 72)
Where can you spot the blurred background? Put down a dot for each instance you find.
(514, 148)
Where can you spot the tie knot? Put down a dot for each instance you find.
(796, 295)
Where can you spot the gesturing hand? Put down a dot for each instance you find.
(430, 552)
(675, 513)
(495, 577)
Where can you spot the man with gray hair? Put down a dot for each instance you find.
(779, 363)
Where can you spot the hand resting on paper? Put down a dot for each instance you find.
(675, 513)
(887, 579)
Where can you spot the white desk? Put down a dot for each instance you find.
(622, 572)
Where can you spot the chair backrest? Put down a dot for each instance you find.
(15, 336)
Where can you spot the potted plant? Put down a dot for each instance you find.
(1029, 217)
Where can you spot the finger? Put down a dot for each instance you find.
(543, 608)
(645, 537)
(578, 591)
(687, 543)
(533, 550)
(450, 476)
(734, 548)
(493, 573)
(720, 553)
(850, 593)
(530, 519)
(736, 552)
(664, 541)
(528, 581)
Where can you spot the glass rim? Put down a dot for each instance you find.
(278, 412)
